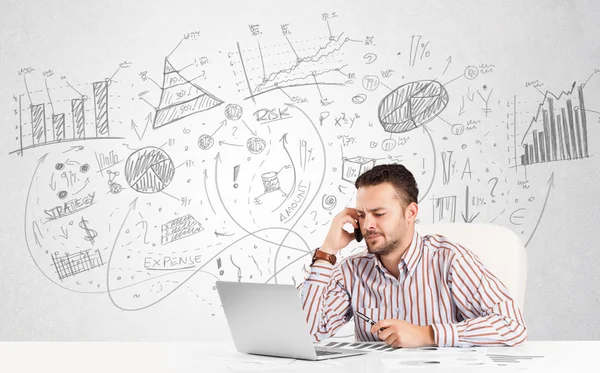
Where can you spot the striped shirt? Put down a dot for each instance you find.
(441, 284)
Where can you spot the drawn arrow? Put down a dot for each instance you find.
(274, 276)
(550, 187)
(252, 132)
(206, 190)
(135, 127)
(472, 97)
(226, 143)
(465, 215)
(52, 183)
(70, 162)
(284, 142)
(87, 181)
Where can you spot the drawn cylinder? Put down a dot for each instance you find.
(270, 181)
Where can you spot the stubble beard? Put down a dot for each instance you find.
(388, 246)
(385, 248)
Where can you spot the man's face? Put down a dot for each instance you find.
(381, 218)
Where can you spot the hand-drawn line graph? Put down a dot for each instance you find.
(51, 127)
(180, 98)
(563, 135)
(262, 72)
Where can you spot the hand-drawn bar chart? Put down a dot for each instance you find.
(48, 127)
(563, 135)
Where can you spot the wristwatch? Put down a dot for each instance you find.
(331, 258)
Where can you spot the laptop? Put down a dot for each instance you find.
(267, 319)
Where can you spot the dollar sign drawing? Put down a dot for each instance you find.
(90, 234)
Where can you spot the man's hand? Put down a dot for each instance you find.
(337, 237)
(399, 333)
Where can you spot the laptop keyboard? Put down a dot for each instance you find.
(324, 353)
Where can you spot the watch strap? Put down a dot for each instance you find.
(331, 258)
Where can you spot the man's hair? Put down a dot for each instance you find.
(397, 175)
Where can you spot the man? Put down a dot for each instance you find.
(418, 290)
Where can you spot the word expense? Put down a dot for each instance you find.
(172, 262)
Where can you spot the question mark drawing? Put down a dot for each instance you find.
(234, 130)
(494, 187)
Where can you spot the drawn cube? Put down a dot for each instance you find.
(354, 167)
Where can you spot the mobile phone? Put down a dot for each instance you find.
(358, 234)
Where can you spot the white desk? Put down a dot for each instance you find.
(105, 357)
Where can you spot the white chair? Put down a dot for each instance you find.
(500, 249)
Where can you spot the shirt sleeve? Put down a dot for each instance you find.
(325, 300)
(491, 317)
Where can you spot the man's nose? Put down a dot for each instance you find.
(369, 222)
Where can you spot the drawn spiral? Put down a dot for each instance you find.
(329, 202)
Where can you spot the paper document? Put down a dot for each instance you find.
(360, 346)
(448, 357)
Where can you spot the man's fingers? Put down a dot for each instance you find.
(382, 324)
(393, 338)
(347, 219)
(352, 212)
(381, 333)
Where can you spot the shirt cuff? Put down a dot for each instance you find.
(445, 335)
(320, 273)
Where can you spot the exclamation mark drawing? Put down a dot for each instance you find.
(219, 267)
(236, 171)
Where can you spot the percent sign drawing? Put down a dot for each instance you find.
(414, 49)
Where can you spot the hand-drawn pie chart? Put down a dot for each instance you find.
(149, 170)
(411, 105)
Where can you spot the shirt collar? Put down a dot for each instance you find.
(410, 258)
(412, 255)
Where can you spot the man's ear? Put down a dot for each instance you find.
(411, 212)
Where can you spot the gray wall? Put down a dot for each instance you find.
(158, 187)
